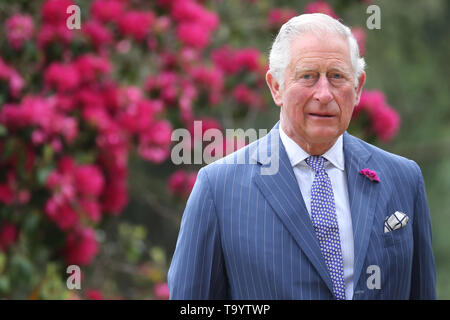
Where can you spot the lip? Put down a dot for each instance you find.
(321, 115)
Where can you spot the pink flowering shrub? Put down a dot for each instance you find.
(382, 120)
(79, 107)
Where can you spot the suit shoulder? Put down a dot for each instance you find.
(389, 157)
(232, 161)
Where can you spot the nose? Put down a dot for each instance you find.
(322, 92)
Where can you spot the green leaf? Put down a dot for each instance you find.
(48, 153)
(2, 262)
(8, 148)
(158, 255)
(4, 284)
(42, 174)
(3, 131)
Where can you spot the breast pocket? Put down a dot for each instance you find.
(398, 236)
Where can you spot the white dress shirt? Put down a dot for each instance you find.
(335, 168)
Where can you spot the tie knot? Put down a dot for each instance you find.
(316, 163)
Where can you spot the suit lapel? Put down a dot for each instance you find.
(363, 195)
(283, 194)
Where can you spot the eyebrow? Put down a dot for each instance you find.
(301, 69)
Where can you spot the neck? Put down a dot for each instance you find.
(314, 149)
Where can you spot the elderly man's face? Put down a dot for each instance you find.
(319, 91)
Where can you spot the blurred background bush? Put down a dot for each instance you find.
(86, 117)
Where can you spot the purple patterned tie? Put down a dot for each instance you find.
(324, 219)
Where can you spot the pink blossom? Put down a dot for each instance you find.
(384, 120)
(90, 97)
(136, 24)
(13, 117)
(163, 80)
(320, 7)
(56, 145)
(111, 95)
(19, 28)
(61, 213)
(23, 196)
(63, 77)
(68, 128)
(211, 78)
(123, 46)
(6, 194)
(138, 116)
(13, 78)
(360, 36)
(89, 180)
(97, 117)
(66, 165)
(54, 12)
(206, 123)
(155, 142)
(167, 60)
(98, 34)
(65, 102)
(244, 95)
(188, 56)
(190, 11)
(72, 185)
(161, 132)
(162, 24)
(8, 235)
(91, 208)
(115, 197)
(130, 95)
(153, 153)
(278, 16)
(161, 291)
(385, 123)
(193, 35)
(224, 58)
(181, 182)
(81, 246)
(248, 58)
(38, 137)
(372, 175)
(166, 84)
(90, 67)
(49, 33)
(231, 61)
(369, 100)
(92, 294)
(42, 113)
(16, 84)
(107, 10)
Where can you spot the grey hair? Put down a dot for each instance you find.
(279, 57)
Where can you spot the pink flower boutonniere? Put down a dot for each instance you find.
(371, 174)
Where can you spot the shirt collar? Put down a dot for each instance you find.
(296, 155)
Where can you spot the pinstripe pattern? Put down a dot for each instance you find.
(249, 236)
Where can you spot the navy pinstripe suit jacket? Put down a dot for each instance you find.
(248, 235)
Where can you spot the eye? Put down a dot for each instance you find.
(336, 75)
(308, 78)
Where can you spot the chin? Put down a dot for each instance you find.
(324, 135)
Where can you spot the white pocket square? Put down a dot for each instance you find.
(396, 221)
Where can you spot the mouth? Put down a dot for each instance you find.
(321, 115)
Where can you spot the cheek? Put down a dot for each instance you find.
(347, 102)
(295, 100)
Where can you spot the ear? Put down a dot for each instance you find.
(361, 80)
(275, 89)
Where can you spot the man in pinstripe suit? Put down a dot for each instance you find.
(247, 233)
